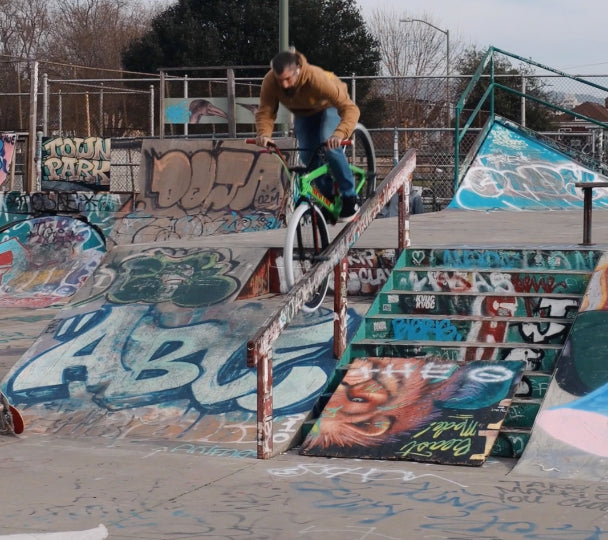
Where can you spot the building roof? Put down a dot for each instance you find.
(597, 111)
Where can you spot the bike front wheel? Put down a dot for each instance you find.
(307, 236)
(361, 154)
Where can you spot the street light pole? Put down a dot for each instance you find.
(447, 61)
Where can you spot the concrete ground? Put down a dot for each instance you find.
(146, 492)
(152, 491)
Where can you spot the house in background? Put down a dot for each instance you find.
(583, 135)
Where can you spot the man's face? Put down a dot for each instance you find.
(288, 78)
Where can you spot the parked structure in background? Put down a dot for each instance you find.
(582, 134)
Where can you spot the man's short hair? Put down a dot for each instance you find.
(283, 60)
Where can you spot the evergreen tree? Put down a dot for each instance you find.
(197, 33)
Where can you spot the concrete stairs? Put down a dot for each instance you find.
(464, 304)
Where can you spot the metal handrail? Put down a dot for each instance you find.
(259, 347)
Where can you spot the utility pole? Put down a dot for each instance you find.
(283, 25)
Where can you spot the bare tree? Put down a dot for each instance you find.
(415, 61)
(88, 37)
(93, 33)
(24, 28)
(24, 36)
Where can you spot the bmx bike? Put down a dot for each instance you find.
(307, 234)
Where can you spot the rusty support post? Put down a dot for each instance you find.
(587, 188)
(401, 218)
(340, 305)
(403, 213)
(263, 362)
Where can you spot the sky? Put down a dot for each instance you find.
(567, 35)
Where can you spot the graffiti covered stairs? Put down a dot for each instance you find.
(466, 305)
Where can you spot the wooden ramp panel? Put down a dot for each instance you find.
(416, 409)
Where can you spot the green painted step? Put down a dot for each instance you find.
(538, 356)
(522, 413)
(533, 385)
(505, 259)
(510, 443)
(488, 281)
(483, 304)
(454, 328)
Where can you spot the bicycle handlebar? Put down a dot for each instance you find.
(346, 142)
(272, 147)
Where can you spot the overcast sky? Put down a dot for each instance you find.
(568, 35)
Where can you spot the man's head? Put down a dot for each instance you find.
(286, 67)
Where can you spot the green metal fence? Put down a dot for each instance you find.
(489, 86)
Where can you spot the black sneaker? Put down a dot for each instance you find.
(349, 209)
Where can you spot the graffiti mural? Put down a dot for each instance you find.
(513, 171)
(415, 409)
(76, 163)
(7, 149)
(153, 346)
(44, 261)
(102, 210)
(368, 270)
(187, 279)
(203, 188)
(215, 111)
(146, 371)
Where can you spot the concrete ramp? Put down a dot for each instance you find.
(570, 435)
(45, 260)
(148, 342)
(512, 170)
(153, 348)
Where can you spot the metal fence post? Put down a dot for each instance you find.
(45, 103)
(231, 103)
(161, 119)
(31, 165)
(152, 110)
(101, 111)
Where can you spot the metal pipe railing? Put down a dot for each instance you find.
(259, 347)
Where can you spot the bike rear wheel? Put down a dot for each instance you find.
(361, 153)
(307, 236)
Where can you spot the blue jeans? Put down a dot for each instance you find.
(312, 131)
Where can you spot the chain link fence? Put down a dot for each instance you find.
(400, 113)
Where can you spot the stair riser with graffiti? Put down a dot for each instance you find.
(438, 303)
(489, 281)
(464, 305)
(502, 259)
(498, 330)
(538, 357)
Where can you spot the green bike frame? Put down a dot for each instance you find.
(304, 188)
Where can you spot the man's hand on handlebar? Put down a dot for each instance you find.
(333, 142)
(264, 141)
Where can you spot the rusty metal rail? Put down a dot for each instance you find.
(259, 347)
(587, 188)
